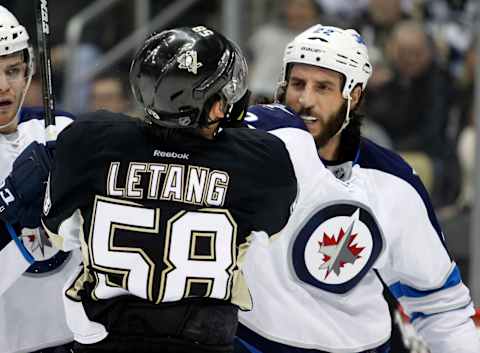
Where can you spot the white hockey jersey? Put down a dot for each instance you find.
(31, 276)
(316, 287)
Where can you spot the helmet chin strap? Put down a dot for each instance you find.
(347, 117)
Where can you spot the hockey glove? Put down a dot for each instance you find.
(21, 194)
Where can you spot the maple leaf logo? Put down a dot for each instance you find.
(337, 253)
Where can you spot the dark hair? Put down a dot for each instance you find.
(351, 135)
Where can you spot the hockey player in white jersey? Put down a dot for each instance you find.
(317, 286)
(32, 272)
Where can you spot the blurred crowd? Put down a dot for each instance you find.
(419, 100)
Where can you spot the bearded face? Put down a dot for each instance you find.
(316, 94)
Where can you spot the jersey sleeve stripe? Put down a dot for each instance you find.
(419, 315)
(399, 289)
(441, 301)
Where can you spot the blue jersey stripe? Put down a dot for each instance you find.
(417, 315)
(402, 290)
(20, 245)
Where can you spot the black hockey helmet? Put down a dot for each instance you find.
(178, 71)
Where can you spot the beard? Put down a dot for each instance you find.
(331, 127)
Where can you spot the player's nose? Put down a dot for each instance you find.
(306, 98)
(4, 84)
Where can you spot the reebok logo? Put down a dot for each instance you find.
(163, 154)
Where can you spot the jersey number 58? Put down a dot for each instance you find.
(184, 267)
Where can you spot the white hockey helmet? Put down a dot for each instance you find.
(341, 50)
(13, 37)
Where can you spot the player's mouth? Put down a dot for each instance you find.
(308, 119)
(6, 103)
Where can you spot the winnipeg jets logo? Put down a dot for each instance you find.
(188, 61)
(339, 252)
(36, 240)
(47, 258)
(336, 247)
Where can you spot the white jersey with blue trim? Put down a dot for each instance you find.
(316, 286)
(417, 268)
(32, 276)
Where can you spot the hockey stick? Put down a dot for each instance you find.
(43, 45)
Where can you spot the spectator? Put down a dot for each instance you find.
(376, 27)
(413, 106)
(343, 11)
(452, 25)
(111, 92)
(269, 41)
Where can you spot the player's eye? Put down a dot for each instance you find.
(324, 87)
(15, 73)
(297, 84)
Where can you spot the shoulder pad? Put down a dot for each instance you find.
(28, 113)
(273, 116)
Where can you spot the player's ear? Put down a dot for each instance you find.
(216, 110)
(356, 94)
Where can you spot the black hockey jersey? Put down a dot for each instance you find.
(162, 214)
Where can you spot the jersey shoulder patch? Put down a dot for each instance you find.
(336, 246)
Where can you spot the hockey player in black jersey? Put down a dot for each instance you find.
(162, 207)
